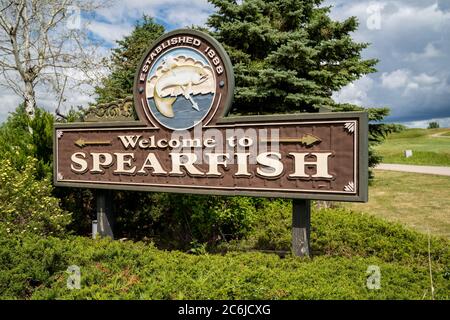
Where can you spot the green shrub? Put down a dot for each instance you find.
(341, 232)
(17, 143)
(212, 218)
(26, 204)
(344, 245)
(183, 221)
(272, 226)
(35, 268)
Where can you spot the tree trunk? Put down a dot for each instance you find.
(30, 99)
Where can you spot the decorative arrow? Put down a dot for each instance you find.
(194, 104)
(83, 143)
(307, 140)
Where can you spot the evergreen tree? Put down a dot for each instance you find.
(433, 125)
(290, 56)
(125, 59)
(18, 143)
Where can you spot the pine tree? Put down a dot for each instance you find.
(125, 59)
(290, 56)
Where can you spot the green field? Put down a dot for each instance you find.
(420, 201)
(429, 146)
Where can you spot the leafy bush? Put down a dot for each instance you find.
(216, 218)
(26, 204)
(183, 221)
(18, 143)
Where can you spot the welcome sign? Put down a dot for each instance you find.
(184, 142)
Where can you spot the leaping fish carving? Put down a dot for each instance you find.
(179, 76)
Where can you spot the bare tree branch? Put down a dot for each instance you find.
(38, 47)
(58, 112)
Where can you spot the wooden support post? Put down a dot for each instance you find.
(301, 227)
(105, 215)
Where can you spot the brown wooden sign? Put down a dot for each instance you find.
(183, 141)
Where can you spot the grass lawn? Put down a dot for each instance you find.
(427, 149)
(417, 200)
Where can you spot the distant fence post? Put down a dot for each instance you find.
(105, 215)
(301, 227)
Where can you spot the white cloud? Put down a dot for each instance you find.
(443, 123)
(396, 79)
(356, 92)
(77, 96)
(429, 52)
(110, 32)
(416, 17)
(187, 16)
(424, 79)
(175, 13)
(404, 79)
(413, 45)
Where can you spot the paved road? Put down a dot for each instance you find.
(439, 135)
(442, 171)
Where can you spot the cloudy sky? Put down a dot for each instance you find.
(410, 37)
(412, 40)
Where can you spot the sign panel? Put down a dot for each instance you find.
(183, 141)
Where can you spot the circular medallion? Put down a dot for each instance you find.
(185, 79)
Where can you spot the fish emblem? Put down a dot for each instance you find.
(179, 76)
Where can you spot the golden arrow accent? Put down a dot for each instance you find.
(83, 143)
(307, 140)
